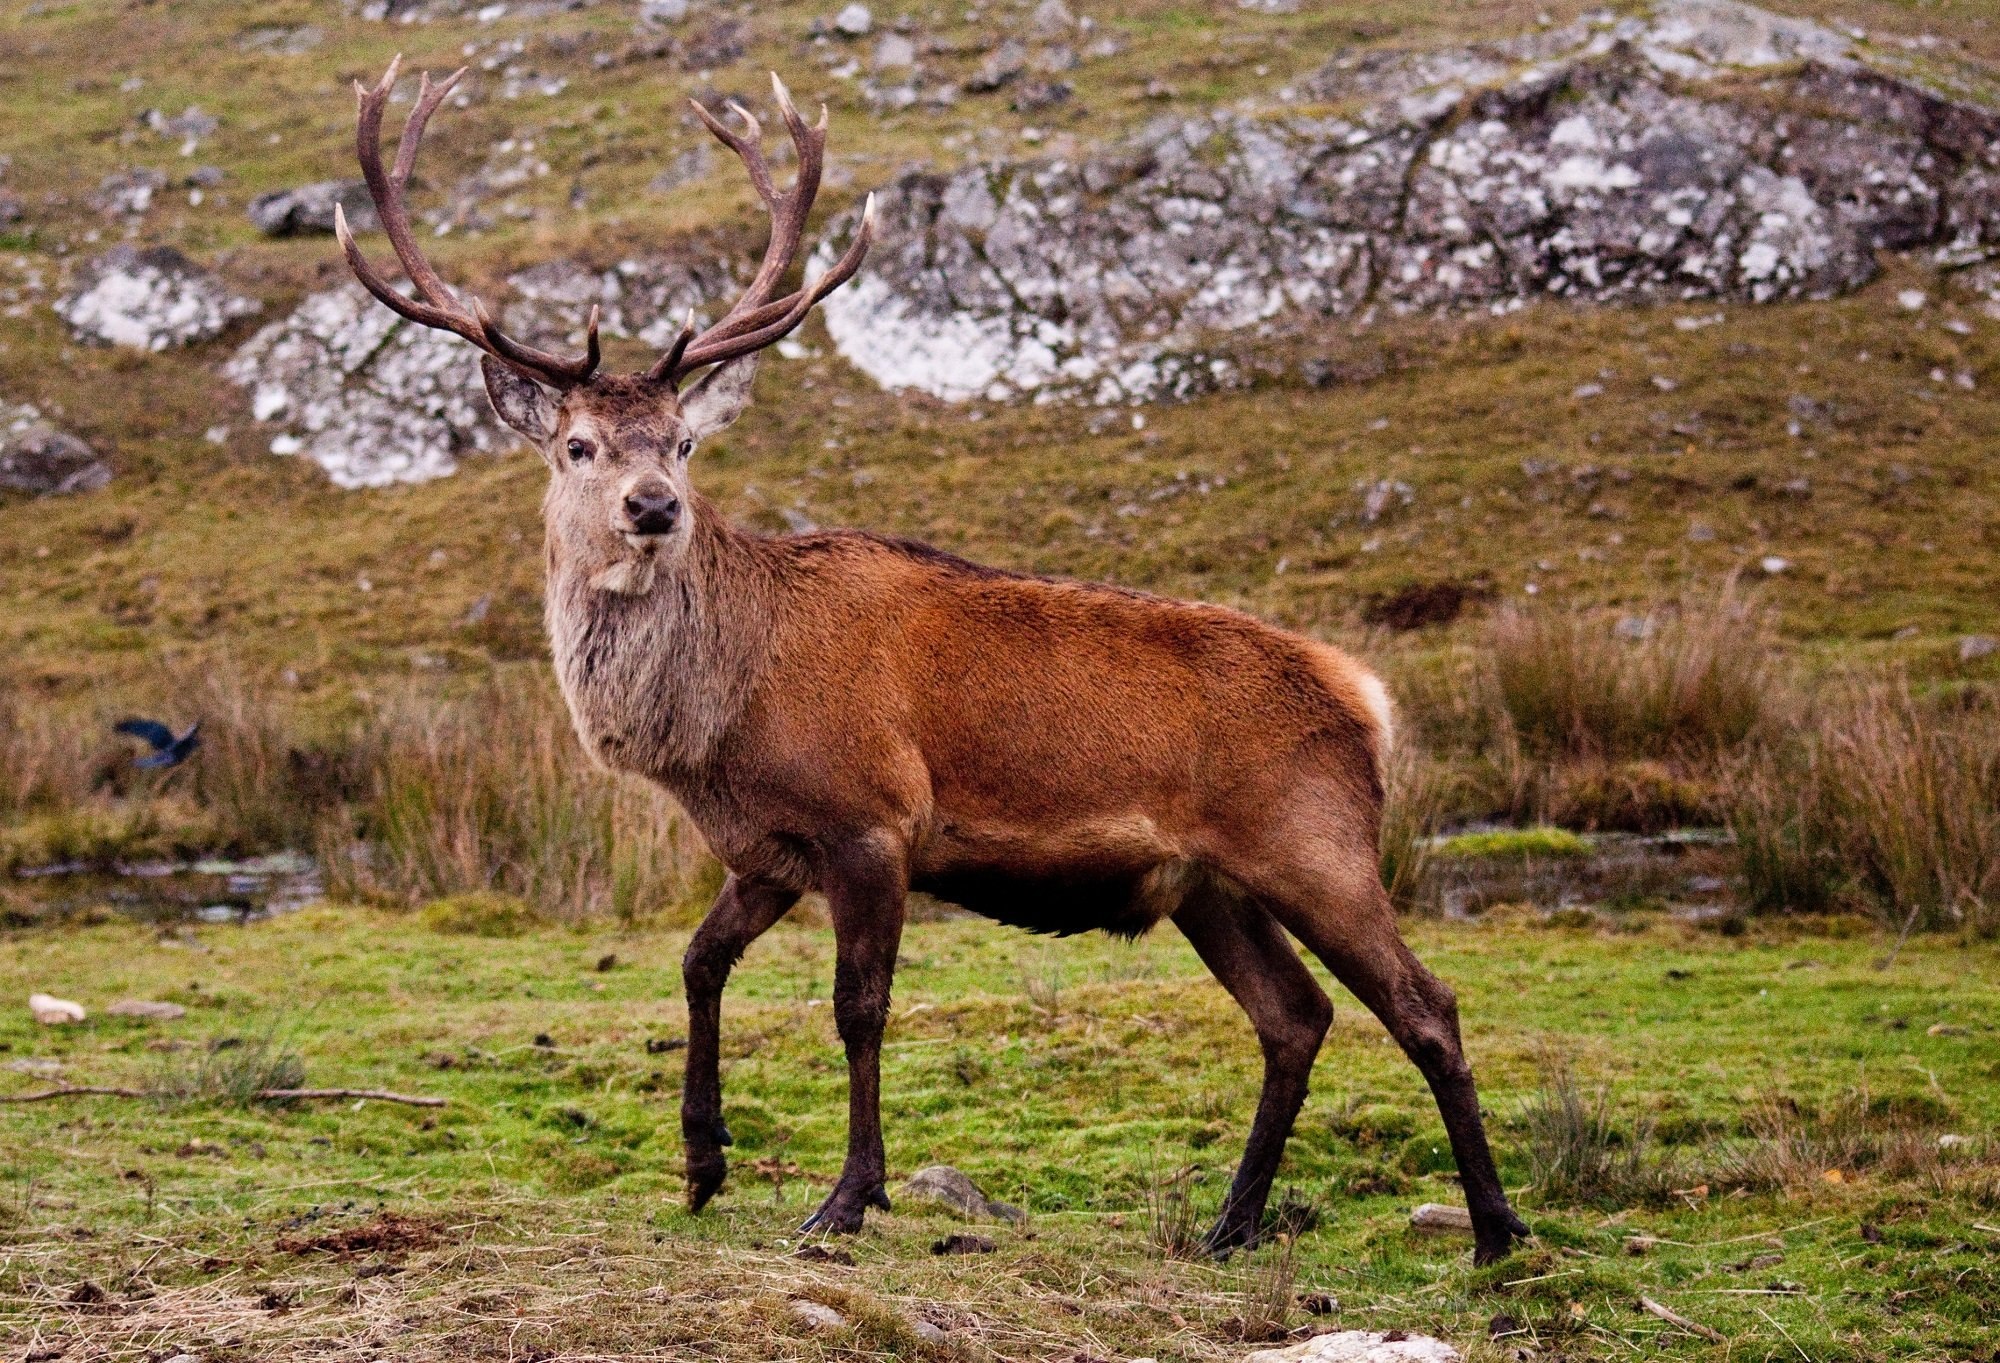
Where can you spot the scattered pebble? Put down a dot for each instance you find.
(51, 1011)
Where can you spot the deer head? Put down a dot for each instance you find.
(617, 445)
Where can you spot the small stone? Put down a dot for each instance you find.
(1038, 95)
(1003, 64)
(128, 193)
(854, 21)
(308, 210)
(1052, 19)
(895, 53)
(1973, 647)
(1361, 1346)
(928, 1333)
(1634, 627)
(816, 1317)
(1587, 390)
(942, 1183)
(1435, 1216)
(1773, 564)
(37, 458)
(51, 1011)
(1912, 300)
(663, 11)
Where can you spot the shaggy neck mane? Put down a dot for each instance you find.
(654, 677)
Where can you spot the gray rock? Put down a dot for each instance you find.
(854, 21)
(816, 1317)
(1361, 1346)
(895, 53)
(942, 1183)
(1002, 65)
(128, 193)
(150, 300)
(37, 458)
(282, 41)
(1599, 163)
(307, 211)
(1973, 647)
(663, 11)
(1052, 19)
(11, 208)
(1038, 95)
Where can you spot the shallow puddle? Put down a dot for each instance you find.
(212, 890)
(1686, 871)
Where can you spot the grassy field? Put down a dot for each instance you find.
(1784, 1100)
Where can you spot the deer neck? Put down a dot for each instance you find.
(654, 678)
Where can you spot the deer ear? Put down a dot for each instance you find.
(720, 397)
(518, 400)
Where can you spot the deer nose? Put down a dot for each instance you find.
(652, 511)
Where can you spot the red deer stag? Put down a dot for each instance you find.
(863, 716)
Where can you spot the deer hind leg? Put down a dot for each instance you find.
(865, 884)
(1246, 950)
(741, 914)
(1323, 885)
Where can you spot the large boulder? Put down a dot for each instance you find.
(37, 458)
(151, 300)
(308, 210)
(1711, 150)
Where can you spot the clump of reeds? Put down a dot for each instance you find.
(493, 792)
(1879, 797)
(1578, 1153)
(1693, 683)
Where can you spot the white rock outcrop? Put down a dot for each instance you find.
(1602, 162)
(153, 299)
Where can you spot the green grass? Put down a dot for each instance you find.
(1514, 842)
(1066, 1077)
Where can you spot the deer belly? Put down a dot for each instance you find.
(1121, 878)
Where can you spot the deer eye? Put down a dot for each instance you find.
(687, 448)
(579, 450)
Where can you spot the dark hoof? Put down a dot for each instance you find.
(1491, 1248)
(704, 1179)
(843, 1212)
(721, 1134)
(1226, 1237)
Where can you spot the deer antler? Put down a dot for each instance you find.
(756, 320)
(435, 305)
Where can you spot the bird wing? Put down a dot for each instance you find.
(154, 732)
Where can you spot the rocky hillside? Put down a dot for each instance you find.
(1109, 233)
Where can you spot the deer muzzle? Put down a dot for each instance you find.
(651, 510)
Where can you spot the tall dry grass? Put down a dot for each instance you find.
(493, 792)
(1694, 684)
(1877, 796)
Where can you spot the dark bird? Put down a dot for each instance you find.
(168, 751)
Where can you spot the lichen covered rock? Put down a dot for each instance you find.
(151, 300)
(1711, 151)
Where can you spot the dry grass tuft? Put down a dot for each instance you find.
(1578, 1154)
(1882, 797)
(493, 793)
(1570, 686)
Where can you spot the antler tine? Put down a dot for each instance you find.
(435, 305)
(754, 333)
(756, 320)
(667, 364)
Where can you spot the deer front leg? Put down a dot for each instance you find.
(865, 885)
(741, 914)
